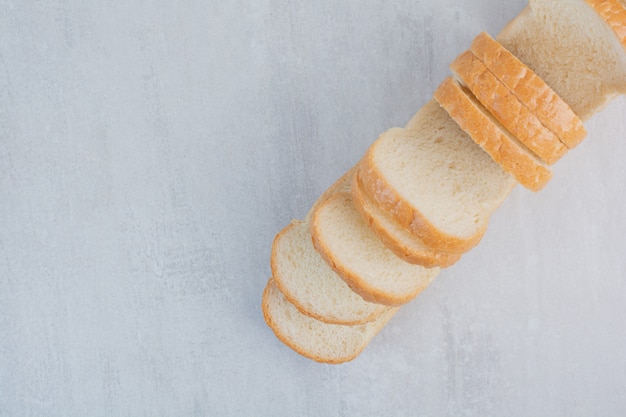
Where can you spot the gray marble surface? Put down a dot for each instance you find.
(150, 151)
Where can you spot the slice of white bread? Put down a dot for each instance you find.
(357, 255)
(514, 116)
(397, 238)
(311, 285)
(573, 49)
(532, 91)
(503, 147)
(433, 180)
(314, 339)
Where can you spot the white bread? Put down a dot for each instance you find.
(397, 238)
(355, 253)
(531, 90)
(434, 180)
(614, 14)
(505, 107)
(322, 342)
(311, 285)
(504, 148)
(573, 49)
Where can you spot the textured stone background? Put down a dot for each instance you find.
(150, 151)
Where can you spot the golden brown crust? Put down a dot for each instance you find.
(614, 14)
(513, 158)
(388, 199)
(507, 108)
(293, 300)
(530, 89)
(427, 258)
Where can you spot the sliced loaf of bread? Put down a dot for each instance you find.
(504, 148)
(514, 116)
(570, 46)
(314, 339)
(531, 90)
(311, 285)
(357, 255)
(397, 238)
(433, 180)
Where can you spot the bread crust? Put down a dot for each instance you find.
(513, 158)
(507, 108)
(356, 282)
(532, 91)
(391, 201)
(614, 14)
(425, 257)
(293, 344)
(278, 281)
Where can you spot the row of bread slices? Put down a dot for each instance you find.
(420, 198)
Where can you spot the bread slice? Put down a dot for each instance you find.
(311, 285)
(503, 147)
(314, 339)
(355, 253)
(531, 90)
(395, 237)
(434, 180)
(573, 49)
(507, 108)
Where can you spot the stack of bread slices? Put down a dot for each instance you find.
(422, 195)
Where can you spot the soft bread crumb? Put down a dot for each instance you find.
(354, 251)
(311, 285)
(406, 171)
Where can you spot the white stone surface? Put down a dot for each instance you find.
(150, 151)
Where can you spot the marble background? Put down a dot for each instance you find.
(149, 152)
